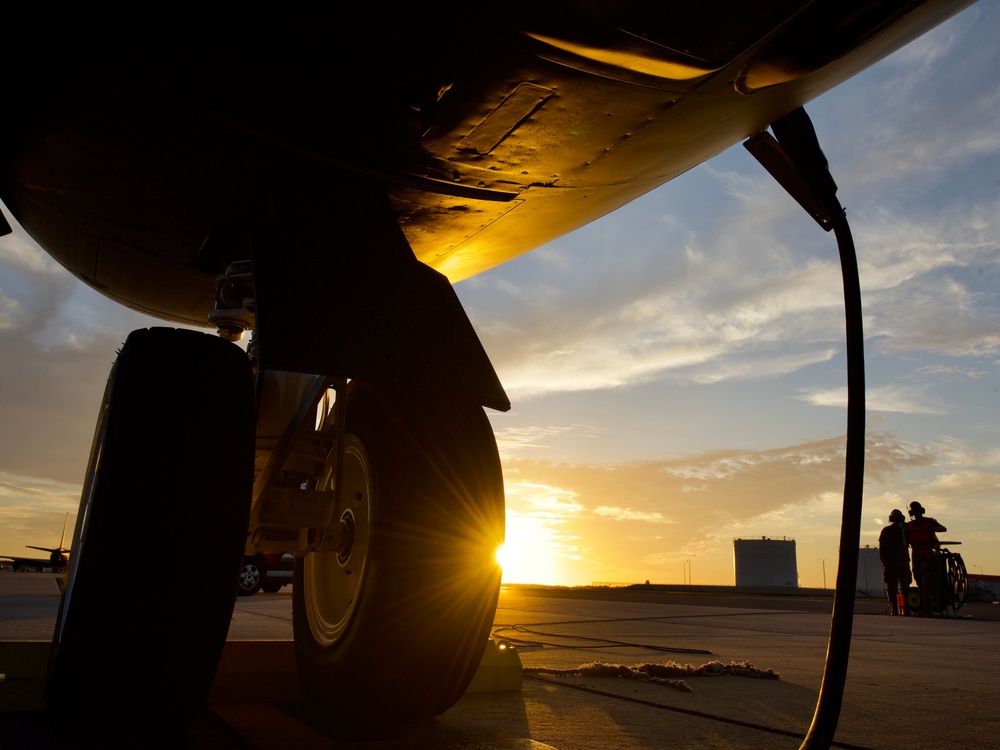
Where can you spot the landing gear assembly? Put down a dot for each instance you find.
(387, 489)
(392, 500)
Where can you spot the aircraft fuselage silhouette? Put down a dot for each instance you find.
(57, 560)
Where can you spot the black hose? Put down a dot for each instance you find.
(797, 139)
(831, 692)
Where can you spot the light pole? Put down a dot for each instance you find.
(824, 574)
(980, 569)
(689, 568)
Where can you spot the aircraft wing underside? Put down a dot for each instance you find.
(492, 133)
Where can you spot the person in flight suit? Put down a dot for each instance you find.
(895, 557)
(927, 572)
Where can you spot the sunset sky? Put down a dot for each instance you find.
(677, 368)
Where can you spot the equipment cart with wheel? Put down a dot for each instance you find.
(951, 582)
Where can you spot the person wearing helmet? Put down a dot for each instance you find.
(922, 532)
(895, 557)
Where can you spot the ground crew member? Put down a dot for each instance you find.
(927, 570)
(892, 551)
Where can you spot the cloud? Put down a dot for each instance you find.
(954, 452)
(888, 398)
(59, 340)
(630, 514)
(20, 492)
(930, 281)
(512, 441)
(701, 324)
(731, 312)
(966, 486)
(949, 373)
(733, 300)
(542, 500)
(910, 107)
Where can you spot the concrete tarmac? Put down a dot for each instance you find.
(912, 682)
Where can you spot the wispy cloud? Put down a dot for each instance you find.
(949, 373)
(40, 493)
(889, 398)
(513, 441)
(630, 514)
(690, 328)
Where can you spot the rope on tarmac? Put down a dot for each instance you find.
(667, 674)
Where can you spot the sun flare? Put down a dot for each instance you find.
(506, 556)
(527, 563)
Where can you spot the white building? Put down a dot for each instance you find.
(870, 572)
(765, 562)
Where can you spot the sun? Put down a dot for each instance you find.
(507, 556)
(528, 563)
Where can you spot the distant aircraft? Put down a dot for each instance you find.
(321, 181)
(57, 560)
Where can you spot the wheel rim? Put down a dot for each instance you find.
(249, 577)
(333, 580)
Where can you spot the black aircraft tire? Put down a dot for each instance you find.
(390, 628)
(170, 476)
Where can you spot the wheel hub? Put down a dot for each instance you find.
(345, 540)
(249, 576)
(333, 581)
